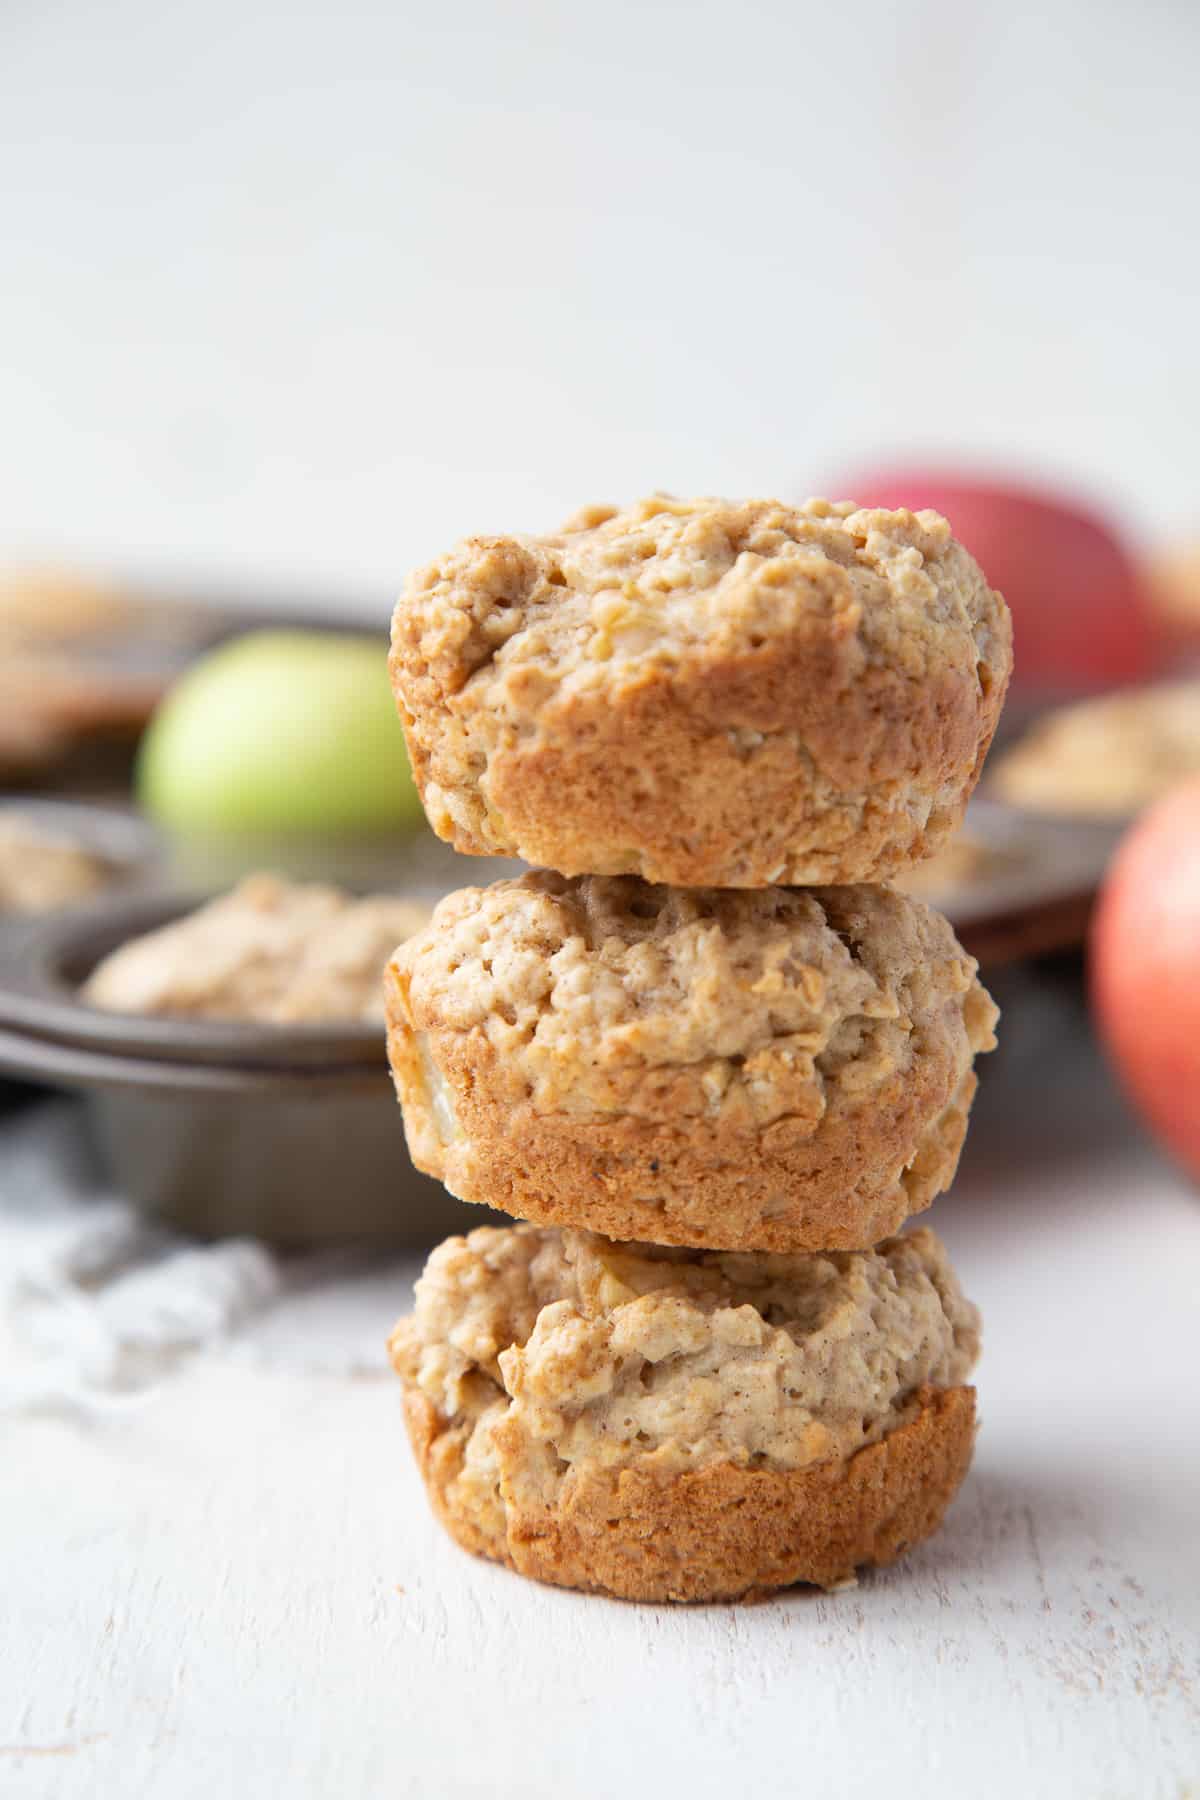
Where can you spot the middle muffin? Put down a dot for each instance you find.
(779, 1069)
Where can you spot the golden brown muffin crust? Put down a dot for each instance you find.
(784, 1069)
(662, 1424)
(723, 1533)
(704, 692)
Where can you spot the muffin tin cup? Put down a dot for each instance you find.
(42, 973)
(298, 1158)
(287, 1133)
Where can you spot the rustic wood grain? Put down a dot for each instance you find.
(232, 1584)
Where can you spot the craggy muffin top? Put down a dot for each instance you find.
(602, 1351)
(274, 951)
(762, 1004)
(491, 640)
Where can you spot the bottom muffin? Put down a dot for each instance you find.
(667, 1424)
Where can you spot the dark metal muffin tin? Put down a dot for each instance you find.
(291, 1133)
(127, 845)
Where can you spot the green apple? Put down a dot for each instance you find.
(286, 732)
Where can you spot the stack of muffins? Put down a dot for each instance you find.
(702, 1048)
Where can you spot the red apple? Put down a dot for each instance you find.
(1145, 968)
(1079, 616)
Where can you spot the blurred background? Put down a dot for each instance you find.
(294, 297)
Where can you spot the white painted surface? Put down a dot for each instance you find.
(303, 292)
(231, 1584)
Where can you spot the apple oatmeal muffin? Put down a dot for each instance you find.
(665, 1424)
(279, 952)
(1107, 757)
(786, 1069)
(704, 692)
(42, 869)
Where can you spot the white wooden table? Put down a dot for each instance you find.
(230, 1584)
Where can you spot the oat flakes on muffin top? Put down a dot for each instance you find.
(788, 1069)
(671, 1424)
(704, 692)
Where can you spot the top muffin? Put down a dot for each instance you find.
(704, 692)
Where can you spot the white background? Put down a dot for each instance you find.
(298, 294)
